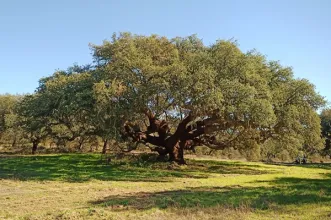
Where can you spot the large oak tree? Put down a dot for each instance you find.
(194, 94)
(175, 94)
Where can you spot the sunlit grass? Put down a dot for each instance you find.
(80, 186)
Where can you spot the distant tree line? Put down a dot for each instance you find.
(171, 95)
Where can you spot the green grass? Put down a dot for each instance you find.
(79, 186)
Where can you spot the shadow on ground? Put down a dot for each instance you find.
(84, 167)
(326, 166)
(282, 191)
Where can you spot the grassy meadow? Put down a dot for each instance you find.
(81, 186)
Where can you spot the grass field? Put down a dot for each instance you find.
(79, 186)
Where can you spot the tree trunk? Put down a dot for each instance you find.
(104, 148)
(80, 146)
(327, 144)
(177, 153)
(162, 153)
(34, 146)
(166, 143)
(14, 142)
(80, 143)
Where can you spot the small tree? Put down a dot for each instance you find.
(35, 124)
(326, 130)
(10, 132)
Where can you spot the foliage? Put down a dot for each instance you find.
(326, 129)
(10, 133)
(246, 98)
(31, 120)
(216, 96)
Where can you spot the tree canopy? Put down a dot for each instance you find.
(175, 94)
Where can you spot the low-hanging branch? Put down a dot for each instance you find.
(188, 134)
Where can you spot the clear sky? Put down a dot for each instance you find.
(38, 36)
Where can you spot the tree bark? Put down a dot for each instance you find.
(166, 143)
(327, 144)
(14, 142)
(80, 144)
(177, 153)
(34, 146)
(104, 148)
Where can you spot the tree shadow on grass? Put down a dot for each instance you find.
(228, 167)
(76, 168)
(326, 166)
(84, 167)
(282, 192)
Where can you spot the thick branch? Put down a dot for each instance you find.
(157, 141)
(181, 129)
(155, 125)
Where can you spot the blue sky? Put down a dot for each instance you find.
(38, 36)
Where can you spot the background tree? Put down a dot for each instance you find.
(7, 104)
(10, 133)
(68, 104)
(326, 130)
(35, 124)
